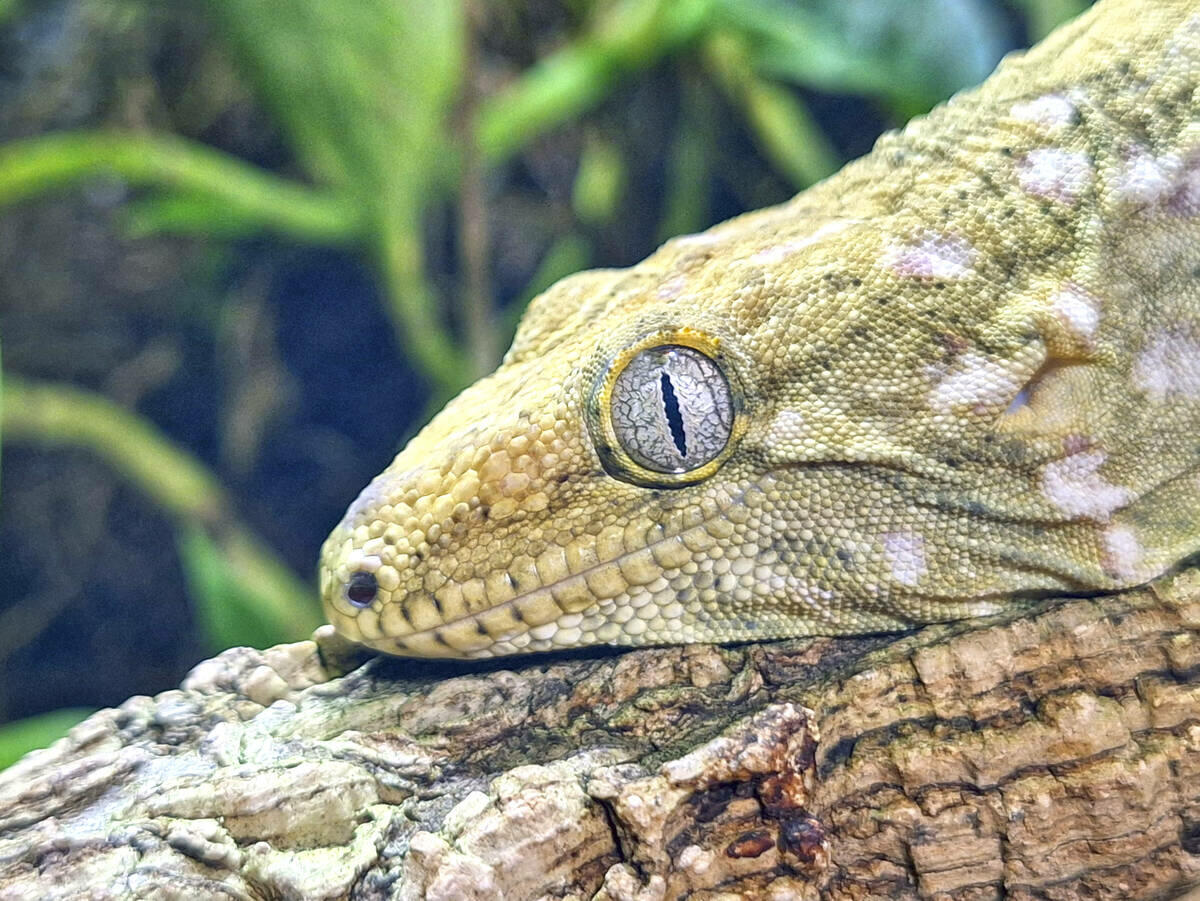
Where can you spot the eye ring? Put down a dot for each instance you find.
(667, 410)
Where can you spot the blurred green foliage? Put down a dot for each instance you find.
(364, 92)
(377, 103)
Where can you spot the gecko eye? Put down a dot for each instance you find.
(361, 589)
(672, 409)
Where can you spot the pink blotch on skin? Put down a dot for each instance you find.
(1051, 111)
(1078, 310)
(1185, 199)
(1061, 175)
(1122, 554)
(699, 239)
(933, 256)
(778, 252)
(669, 290)
(977, 384)
(1144, 180)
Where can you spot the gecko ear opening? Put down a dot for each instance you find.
(1048, 401)
(1057, 390)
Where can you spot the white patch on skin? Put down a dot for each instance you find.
(1145, 181)
(669, 290)
(1078, 310)
(976, 382)
(1122, 553)
(933, 256)
(1056, 174)
(357, 560)
(1074, 485)
(796, 586)
(700, 239)
(782, 251)
(777, 253)
(816, 600)
(1053, 111)
(1170, 365)
(787, 428)
(905, 554)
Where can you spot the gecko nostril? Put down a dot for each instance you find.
(361, 589)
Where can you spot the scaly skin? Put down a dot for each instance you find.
(964, 371)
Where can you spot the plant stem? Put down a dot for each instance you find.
(474, 236)
(786, 131)
(62, 416)
(413, 306)
(633, 35)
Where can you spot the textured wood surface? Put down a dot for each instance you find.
(1052, 754)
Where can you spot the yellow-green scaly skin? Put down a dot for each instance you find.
(968, 368)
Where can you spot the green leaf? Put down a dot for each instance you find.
(782, 125)
(1, 410)
(228, 609)
(363, 88)
(627, 36)
(231, 189)
(911, 54)
(365, 91)
(689, 167)
(599, 181)
(22, 736)
(278, 606)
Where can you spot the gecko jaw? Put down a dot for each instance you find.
(451, 621)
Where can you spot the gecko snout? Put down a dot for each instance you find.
(416, 565)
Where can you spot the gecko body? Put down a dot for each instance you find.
(961, 372)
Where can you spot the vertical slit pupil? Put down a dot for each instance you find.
(674, 417)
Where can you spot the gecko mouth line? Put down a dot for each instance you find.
(540, 611)
(543, 606)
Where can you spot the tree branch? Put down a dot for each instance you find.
(1047, 753)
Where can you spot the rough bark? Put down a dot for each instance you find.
(1048, 753)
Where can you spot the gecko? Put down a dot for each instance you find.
(961, 373)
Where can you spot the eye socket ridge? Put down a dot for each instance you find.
(667, 411)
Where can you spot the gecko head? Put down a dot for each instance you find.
(962, 370)
(541, 500)
(421, 563)
(655, 461)
(785, 426)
